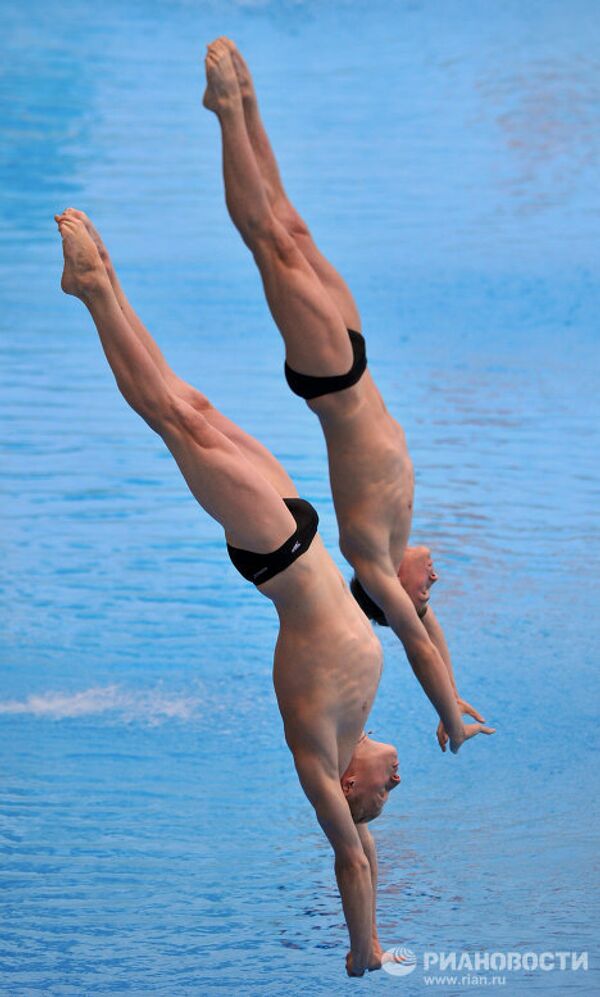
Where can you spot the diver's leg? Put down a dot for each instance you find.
(314, 332)
(219, 476)
(280, 203)
(180, 386)
(258, 454)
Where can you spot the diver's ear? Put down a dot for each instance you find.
(347, 786)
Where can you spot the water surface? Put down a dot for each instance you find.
(154, 837)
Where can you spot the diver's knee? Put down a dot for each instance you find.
(198, 401)
(292, 222)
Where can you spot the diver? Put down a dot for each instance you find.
(327, 661)
(370, 469)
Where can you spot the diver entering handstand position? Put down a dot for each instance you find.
(370, 468)
(327, 662)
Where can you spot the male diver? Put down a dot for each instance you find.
(370, 468)
(327, 661)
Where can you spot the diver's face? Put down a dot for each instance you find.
(417, 574)
(385, 774)
(375, 775)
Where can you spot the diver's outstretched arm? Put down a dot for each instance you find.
(438, 639)
(320, 781)
(381, 583)
(370, 849)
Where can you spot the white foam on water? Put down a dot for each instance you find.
(151, 706)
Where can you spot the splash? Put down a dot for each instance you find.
(151, 706)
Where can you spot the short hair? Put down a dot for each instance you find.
(361, 814)
(369, 608)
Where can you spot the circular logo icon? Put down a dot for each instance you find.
(399, 961)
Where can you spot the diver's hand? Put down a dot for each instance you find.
(465, 708)
(377, 950)
(442, 737)
(469, 710)
(374, 962)
(470, 730)
(351, 971)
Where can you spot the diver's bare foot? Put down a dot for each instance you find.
(94, 233)
(244, 76)
(83, 271)
(222, 90)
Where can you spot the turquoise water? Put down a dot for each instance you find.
(154, 838)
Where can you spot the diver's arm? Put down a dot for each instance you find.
(382, 584)
(321, 784)
(436, 634)
(370, 850)
(434, 629)
(438, 639)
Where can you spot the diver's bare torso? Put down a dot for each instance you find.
(370, 470)
(327, 661)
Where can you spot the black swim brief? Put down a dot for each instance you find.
(259, 568)
(370, 608)
(308, 386)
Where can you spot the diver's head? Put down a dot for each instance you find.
(369, 778)
(417, 574)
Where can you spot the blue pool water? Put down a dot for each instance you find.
(154, 838)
